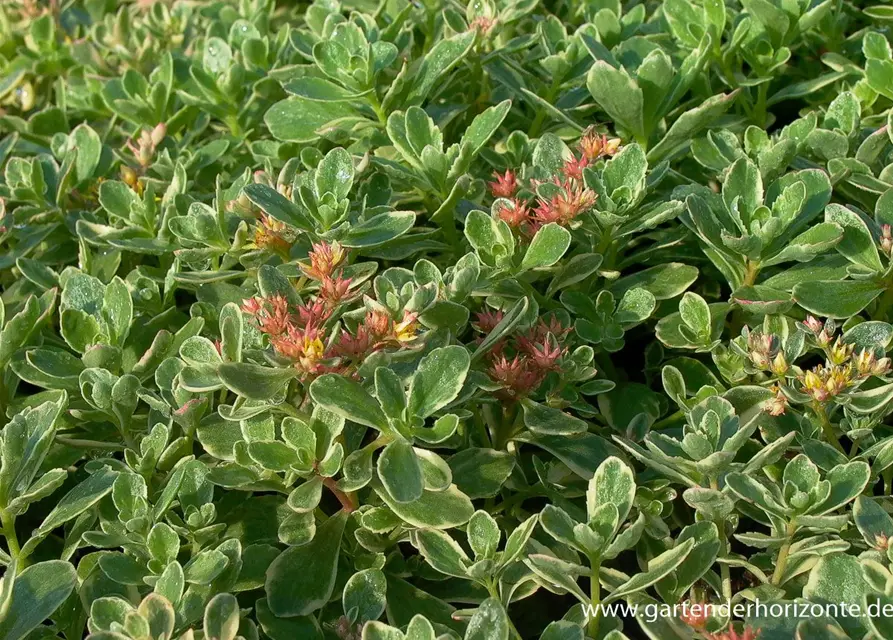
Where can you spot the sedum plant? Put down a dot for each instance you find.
(490, 320)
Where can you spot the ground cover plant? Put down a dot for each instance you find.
(373, 320)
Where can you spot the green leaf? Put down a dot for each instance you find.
(576, 269)
(751, 490)
(335, 174)
(37, 592)
(27, 440)
(217, 56)
(582, 453)
(379, 229)
(221, 620)
(276, 205)
(550, 154)
(546, 420)
(659, 567)
(441, 552)
(711, 503)
(836, 578)
(442, 57)
(480, 473)
(695, 314)
(117, 309)
(365, 595)
(857, 243)
(489, 622)
(508, 322)
(836, 299)
(663, 281)
(547, 247)
(626, 170)
(205, 567)
(381, 631)
(880, 622)
(558, 572)
(485, 125)
(400, 472)
(79, 499)
(803, 248)
(434, 510)
(89, 148)
(438, 380)
(691, 123)
(301, 579)
(565, 630)
(872, 520)
(869, 335)
(118, 199)
(847, 482)
(297, 119)
(613, 483)
(619, 96)
(483, 534)
(254, 381)
(702, 557)
(345, 397)
(277, 628)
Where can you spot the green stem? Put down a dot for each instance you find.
(724, 572)
(375, 103)
(595, 597)
(540, 117)
(514, 501)
(750, 275)
(127, 436)
(3, 400)
(78, 443)
(493, 590)
(827, 427)
(782, 561)
(9, 532)
(884, 305)
(507, 428)
(669, 421)
(760, 109)
(348, 500)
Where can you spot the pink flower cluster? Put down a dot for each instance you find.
(572, 198)
(521, 364)
(299, 333)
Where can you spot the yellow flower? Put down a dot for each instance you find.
(823, 383)
(841, 351)
(779, 365)
(407, 330)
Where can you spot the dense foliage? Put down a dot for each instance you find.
(387, 319)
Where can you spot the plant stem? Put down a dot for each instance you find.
(509, 426)
(883, 307)
(376, 107)
(9, 532)
(827, 427)
(760, 109)
(3, 392)
(493, 590)
(347, 500)
(750, 276)
(723, 567)
(782, 561)
(88, 444)
(669, 421)
(537, 123)
(595, 597)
